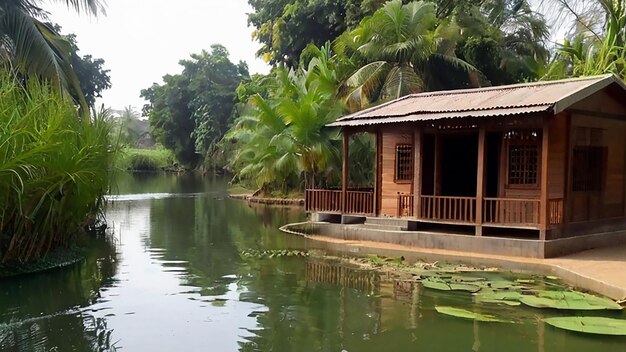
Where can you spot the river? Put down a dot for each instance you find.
(173, 279)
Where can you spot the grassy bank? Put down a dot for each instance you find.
(158, 159)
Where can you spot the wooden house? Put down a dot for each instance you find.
(538, 162)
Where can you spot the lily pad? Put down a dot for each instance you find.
(461, 278)
(449, 286)
(569, 300)
(466, 314)
(510, 298)
(590, 325)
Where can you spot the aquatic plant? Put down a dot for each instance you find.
(272, 253)
(589, 325)
(54, 169)
(466, 314)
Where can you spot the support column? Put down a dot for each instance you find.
(480, 181)
(437, 166)
(417, 169)
(377, 173)
(544, 218)
(344, 172)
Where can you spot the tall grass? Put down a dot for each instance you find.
(54, 169)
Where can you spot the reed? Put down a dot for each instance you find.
(54, 169)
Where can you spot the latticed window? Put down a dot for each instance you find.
(404, 162)
(523, 154)
(588, 168)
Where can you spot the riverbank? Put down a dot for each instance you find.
(269, 201)
(57, 259)
(598, 270)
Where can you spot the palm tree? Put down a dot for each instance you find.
(282, 137)
(33, 48)
(405, 49)
(596, 49)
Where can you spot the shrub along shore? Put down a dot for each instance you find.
(54, 170)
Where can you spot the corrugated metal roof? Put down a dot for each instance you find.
(482, 102)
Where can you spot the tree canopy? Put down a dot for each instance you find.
(34, 48)
(190, 112)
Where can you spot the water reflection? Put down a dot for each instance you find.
(35, 308)
(178, 282)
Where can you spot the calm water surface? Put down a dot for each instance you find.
(174, 280)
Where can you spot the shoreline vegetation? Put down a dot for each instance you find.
(58, 258)
(55, 170)
(142, 159)
(240, 192)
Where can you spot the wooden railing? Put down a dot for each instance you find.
(322, 200)
(330, 201)
(449, 209)
(405, 204)
(360, 202)
(511, 211)
(555, 211)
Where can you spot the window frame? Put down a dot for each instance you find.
(411, 161)
(515, 142)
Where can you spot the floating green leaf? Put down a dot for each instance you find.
(466, 314)
(568, 300)
(590, 325)
(449, 286)
(510, 298)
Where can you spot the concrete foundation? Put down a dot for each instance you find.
(529, 248)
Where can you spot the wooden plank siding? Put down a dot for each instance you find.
(601, 112)
(392, 136)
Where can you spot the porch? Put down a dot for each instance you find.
(515, 213)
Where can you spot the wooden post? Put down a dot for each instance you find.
(544, 218)
(480, 181)
(437, 168)
(417, 169)
(376, 173)
(344, 172)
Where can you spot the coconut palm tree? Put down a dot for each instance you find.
(405, 49)
(32, 47)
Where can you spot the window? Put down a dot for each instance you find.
(523, 157)
(589, 160)
(404, 162)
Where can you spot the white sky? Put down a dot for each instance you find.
(142, 40)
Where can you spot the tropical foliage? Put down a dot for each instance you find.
(190, 112)
(593, 50)
(34, 48)
(282, 136)
(285, 28)
(54, 170)
(405, 50)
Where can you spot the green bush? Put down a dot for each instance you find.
(54, 169)
(146, 159)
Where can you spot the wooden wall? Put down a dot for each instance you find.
(391, 136)
(600, 112)
(557, 155)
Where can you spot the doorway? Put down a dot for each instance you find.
(459, 164)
